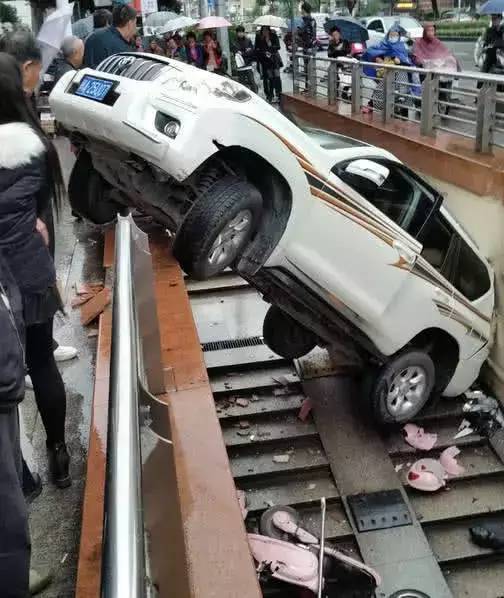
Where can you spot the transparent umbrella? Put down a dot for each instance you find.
(160, 18)
(52, 33)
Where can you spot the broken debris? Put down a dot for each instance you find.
(305, 410)
(242, 402)
(95, 306)
(449, 462)
(281, 458)
(418, 438)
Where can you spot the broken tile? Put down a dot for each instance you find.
(242, 402)
(243, 424)
(312, 486)
(92, 333)
(281, 458)
(95, 306)
(81, 299)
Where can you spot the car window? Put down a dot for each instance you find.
(376, 26)
(436, 241)
(400, 196)
(470, 273)
(409, 23)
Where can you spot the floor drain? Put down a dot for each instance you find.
(238, 343)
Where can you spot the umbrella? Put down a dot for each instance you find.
(177, 24)
(492, 7)
(213, 23)
(160, 18)
(351, 30)
(55, 28)
(271, 21)
(83, 28)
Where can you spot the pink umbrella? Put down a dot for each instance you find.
(213, 23)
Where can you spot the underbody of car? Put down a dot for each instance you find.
(345, 242)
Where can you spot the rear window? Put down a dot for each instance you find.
(471, 275)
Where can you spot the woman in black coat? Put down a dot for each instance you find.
(29, 175)
(267, 50)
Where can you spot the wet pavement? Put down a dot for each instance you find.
(55, 516)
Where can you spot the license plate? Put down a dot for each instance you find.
(94, 88)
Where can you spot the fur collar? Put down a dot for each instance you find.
(19, 145)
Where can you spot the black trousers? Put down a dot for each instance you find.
(47, 382)
(14, 533)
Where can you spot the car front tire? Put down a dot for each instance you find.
(218, 227)
(283, 335)
(88, 192)
(402, 387)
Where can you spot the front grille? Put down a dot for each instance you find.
(139, 68)
(252, 341)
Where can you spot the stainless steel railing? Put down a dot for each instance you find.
(135, 363)
(466, 104)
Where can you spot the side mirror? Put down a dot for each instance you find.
(369, 170)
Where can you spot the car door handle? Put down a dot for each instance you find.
(408, 255)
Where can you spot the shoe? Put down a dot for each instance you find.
(28, 382)
(39, 581)
(59, 465)
(62, 353)
(35, 490)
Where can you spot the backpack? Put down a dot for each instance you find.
(12, 354)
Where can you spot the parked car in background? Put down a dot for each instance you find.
(461, 16)
(378, 27)
(344, 241)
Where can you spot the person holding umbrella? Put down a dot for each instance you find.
(213, 58)
(338, 47)
(493, 40)
(267, 49)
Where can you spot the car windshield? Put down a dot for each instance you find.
(331, 141)
(406, 22)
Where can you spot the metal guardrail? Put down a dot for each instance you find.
(135, 362)
(456, 102)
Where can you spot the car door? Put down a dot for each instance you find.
(360, 238)
(376, 30)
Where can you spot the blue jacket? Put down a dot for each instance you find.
(22, 182)
(104, 43)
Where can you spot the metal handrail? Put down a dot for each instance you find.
(428, 109)
(123, 567)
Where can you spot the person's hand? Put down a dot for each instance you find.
(42, 229)
(397, 60)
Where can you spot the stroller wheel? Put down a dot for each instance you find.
(268, 528)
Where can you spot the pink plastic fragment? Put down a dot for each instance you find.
(305, 410)
(449, 462)
(418, 438)
(427, 475)
(242, 501)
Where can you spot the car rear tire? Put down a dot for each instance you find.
(88, 192)
(286, 337)
(218, 227)
(402, 387)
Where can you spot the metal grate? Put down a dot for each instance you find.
(134, 67)
(238, 343)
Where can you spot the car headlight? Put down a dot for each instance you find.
(167, 125)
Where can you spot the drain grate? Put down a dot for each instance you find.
(238, 343)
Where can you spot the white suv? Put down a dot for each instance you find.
(342, 239)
